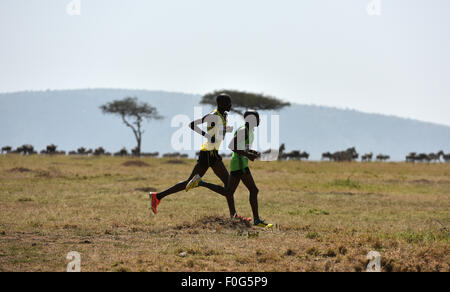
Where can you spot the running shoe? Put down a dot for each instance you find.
(195, 181)
(261, 223)
(242, 218)
(154, 202)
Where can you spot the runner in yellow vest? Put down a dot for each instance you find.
(216, 123)
(241, 144)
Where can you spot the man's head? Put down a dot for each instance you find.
(251, 118)
(224, 102)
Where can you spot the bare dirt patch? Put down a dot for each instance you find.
(430, 182)
(20, 169)
(24, 200)
(215, 223)
(422, 181)
(347, 193)
(135, 163)
(44, 174)
(49, 174)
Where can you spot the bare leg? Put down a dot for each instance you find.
(198, 169)
(230, 185)
(248, 181)
(233, 183)
(215, 188)
(221, 171)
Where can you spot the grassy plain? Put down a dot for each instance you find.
(328, 216)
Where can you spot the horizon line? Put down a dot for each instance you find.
(199, 94)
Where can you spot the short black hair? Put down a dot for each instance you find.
(223, 98)
(249, 113)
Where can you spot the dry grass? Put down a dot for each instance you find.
(328, 217)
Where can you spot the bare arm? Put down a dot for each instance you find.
(211, 120)
(233, 146)
(195, 126)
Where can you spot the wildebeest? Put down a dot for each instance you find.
(135, 151)
(172, 155)
(154, 154)
(295, 155)
(26, 149)
(446, 157)
(122, 152)
(81, 151)
(99, 151)
(304, 155)
(326, 155)
(51, 149)
(281, 151)
(6, 149)
(411, 157)
(348, 155)
(381, 157)
(424, 157)
(367, 157)
(436, 156)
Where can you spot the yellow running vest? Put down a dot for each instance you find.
(214, 132)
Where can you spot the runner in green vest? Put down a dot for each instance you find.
(209, 156)
(243, 139)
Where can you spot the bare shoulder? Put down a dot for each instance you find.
(211, 117)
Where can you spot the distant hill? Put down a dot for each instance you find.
(71, 118)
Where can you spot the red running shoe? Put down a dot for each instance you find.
(242, 218)
(154, 202)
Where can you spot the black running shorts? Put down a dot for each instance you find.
(209, 158)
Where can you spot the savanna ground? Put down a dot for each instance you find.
(328, 217)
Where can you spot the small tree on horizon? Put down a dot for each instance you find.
(128, 109)
(243, 101)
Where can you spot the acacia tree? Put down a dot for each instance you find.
(133, 114)
(242, 101)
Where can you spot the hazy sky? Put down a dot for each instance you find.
(326, 52)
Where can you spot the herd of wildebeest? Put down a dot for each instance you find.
(340, 156)
(351, 155)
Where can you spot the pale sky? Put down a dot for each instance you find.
(324, 52)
